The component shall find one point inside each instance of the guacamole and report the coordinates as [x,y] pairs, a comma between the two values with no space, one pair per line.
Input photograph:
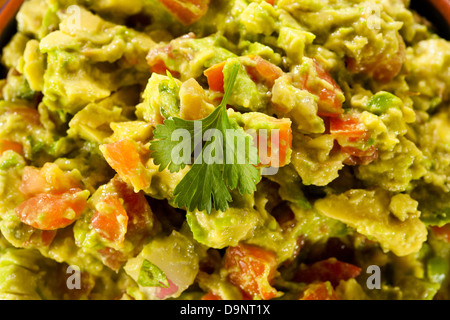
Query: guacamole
[345,102]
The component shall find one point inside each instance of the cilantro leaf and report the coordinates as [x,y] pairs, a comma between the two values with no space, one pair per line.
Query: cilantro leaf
[164,144]
[219,168]
[152,276]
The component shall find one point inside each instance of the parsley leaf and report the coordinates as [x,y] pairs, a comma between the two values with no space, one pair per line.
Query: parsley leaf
[152,276]
[220,167]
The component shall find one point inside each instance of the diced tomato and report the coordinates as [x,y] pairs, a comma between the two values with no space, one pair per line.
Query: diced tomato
[159,67]
[162,58]
[29,115]
[360,157]
[442,232]
[126,158]
[112,258]
[49,178]
[264,71]
[319,82]
[252,269]
[39,238]
[211,296]
[214,76]
[187,11]
[278,149]
[319,291]
[155,60]
[139,212]
[10,145]
[47,236]
[331,270]
[352,136]
[51,211]
[110,220]
[272,2]
[349,127]
[383,67]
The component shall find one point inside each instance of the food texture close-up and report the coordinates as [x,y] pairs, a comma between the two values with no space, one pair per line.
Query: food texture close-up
[224,150]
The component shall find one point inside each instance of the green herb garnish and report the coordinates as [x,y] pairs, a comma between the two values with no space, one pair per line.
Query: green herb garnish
[151,276]
[218,168]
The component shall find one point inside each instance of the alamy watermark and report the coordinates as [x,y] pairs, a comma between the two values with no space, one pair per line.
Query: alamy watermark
[73,281]
[374,280]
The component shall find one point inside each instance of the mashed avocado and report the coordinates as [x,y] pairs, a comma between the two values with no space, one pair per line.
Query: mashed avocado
[347,103]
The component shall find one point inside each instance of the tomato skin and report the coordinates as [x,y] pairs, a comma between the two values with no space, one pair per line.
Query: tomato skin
[319,291]
[51,211]
[251,269]
[180,8]
[331,270]
[10,145]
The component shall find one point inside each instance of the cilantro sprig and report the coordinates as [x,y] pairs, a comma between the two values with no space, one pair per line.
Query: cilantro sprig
[208,183]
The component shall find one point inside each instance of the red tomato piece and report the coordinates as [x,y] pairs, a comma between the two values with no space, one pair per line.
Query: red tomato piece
[442,232]
[126,158]
[352,136]
[211,296]
[112,258]
[214,76]
[39,238]
[139,212]
[319,291]
[110,220]
[29,115]
[264,71]
[252,269]
[279,148]
[49,211]
[187,11]
[155,60]
[330,95]
[50,178]
[331,270]
[382,67]
[360,157]
[10,145]
[349,127]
